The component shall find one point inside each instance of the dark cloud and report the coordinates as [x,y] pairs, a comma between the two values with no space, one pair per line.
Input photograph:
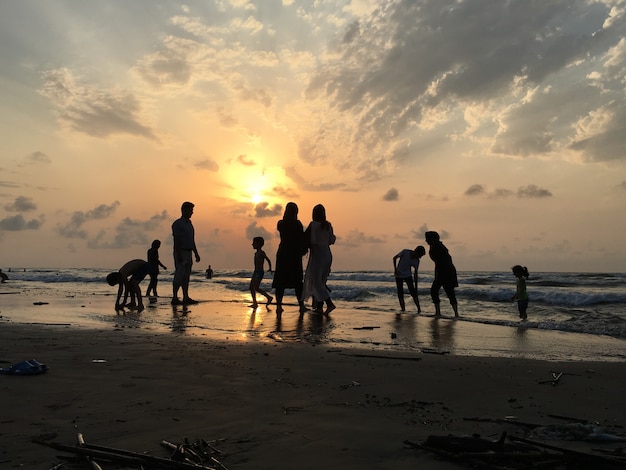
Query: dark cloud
[73,228]
[391,195]
[476,190]
[93,111]
[254,230]
[207,164]
[530,191]
[263,209]
[17,223]
[130,232]
[21,204]
[533,191]
[168,67]
[528,63]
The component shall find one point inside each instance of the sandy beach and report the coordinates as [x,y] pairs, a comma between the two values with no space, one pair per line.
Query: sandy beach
[282,404]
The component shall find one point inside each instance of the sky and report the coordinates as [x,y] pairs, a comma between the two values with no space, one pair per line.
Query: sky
[499,124]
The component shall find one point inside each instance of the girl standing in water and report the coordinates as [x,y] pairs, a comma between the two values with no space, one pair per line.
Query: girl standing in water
[521,296]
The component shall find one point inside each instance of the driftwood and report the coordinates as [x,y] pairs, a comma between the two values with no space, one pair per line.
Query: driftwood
[556,377]
[121,456]
[518,454]
[196,453]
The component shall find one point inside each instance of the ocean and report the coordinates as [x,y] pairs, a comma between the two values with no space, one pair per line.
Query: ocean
[585,311]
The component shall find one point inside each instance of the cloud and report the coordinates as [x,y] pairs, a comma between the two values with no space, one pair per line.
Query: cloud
[129,232]
[313,187]
[391,195]
[530,191]
[73,228]
[21,204]
[207,164]
[9,184]
[420,233]
[263,209]
[533,191]
[254,230]
[355,238]
[18,223]
[476,190]
[244,160]
[93,110]
[38,157]
[385,81]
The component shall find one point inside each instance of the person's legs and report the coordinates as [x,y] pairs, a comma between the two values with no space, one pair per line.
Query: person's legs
[400,289]
[434,295]
[413,291]
[522,305]
[452,296]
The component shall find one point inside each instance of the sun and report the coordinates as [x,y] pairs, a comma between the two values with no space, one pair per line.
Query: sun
[256,198]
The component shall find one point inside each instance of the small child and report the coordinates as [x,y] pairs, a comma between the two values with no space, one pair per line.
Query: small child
[154,262]
[259,260]
[521,296]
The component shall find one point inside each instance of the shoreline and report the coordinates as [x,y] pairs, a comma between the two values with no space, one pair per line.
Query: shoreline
[281,405]
[233,321]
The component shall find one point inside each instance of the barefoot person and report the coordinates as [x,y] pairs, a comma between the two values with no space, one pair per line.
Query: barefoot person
[154,262]
[184,247]
[445,273]
[288,270]
[257,276]
[128,277]
[403,263]
[320,259]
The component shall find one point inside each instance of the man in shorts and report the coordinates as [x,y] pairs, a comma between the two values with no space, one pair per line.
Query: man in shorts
[184,246]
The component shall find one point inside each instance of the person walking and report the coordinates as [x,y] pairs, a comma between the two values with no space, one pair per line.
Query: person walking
[321,236]
[288,271]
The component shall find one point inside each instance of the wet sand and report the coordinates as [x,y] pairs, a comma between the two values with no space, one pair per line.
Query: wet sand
[279,404]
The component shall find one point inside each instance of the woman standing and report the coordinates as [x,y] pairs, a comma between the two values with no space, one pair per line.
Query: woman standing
[445,272]
[321,236]
[288,272]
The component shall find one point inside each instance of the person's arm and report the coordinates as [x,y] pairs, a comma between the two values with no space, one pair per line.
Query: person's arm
[119,294]
[269,263]
[195,251]
[162,265]
[395,264]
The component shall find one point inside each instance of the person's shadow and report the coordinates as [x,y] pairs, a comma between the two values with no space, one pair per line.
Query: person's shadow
[442,334]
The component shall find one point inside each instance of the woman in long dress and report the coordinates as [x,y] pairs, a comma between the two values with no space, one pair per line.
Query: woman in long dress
[288,272]
[321,236]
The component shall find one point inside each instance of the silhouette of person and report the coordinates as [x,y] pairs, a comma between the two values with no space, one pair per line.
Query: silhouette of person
[521,296]
[321,236]
[128,277]
[209,272]
[445,273]
[257,276]
[288,270]
[184,246]
[405,267]
[154,262]
[3,276]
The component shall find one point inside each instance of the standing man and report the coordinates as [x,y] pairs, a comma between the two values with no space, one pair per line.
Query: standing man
[409,261]
[184,246]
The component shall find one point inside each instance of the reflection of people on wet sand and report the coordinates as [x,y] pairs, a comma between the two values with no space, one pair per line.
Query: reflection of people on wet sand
[320,259]
[257,276]
[184,246]
[445,273]
[403,263]
[521,296]
[288,270]
[209,272]
[154,262]
[128,277]
[3,276]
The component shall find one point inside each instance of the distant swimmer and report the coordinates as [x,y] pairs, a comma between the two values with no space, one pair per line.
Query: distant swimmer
[3,276]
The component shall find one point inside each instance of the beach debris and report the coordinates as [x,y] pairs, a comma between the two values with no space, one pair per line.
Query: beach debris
[354,383]
[29,367]
[519,453]
[199,452]
[556,377]
[577,432]
[93,454]
[377,356]
[41,303]
[434,351]
[365,327]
